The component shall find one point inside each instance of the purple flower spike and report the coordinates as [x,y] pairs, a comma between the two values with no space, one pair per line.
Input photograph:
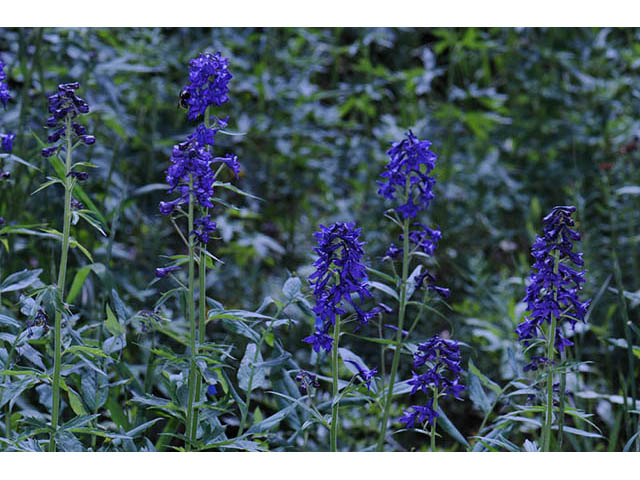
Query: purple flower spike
[209,75]
[441,358]
[410,161]
[339,274]
[63,105]
[551,293]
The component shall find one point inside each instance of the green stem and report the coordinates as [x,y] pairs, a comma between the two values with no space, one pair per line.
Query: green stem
[399,338]
[563,384]
[62,272]
[435,420]
[192,323]
[202,275]
[546,434]
[335,374]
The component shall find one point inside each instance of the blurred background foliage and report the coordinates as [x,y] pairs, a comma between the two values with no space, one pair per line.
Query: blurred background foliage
[522,120]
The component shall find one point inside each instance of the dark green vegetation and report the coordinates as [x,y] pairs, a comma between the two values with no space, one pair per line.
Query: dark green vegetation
[522,120]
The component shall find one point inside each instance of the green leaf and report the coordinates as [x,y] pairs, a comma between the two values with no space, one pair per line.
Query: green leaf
[53,181]
[411,282]
[384,288]
[272,421]
[78,280]
[486,381]
[292,288]
[477,394]
[91,221]
[89,350]
[75,402]
[245,370]
[19,280]
[450,428]
[112,323]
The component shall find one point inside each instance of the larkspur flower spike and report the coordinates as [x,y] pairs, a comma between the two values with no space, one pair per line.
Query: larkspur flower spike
[63,105]
[5,96]
[339,274]
[410,162]
[554,291]
[209,76]
[441,359]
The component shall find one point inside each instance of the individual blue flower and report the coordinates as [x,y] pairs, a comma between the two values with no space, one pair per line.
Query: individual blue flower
[418,413]
[209,76]
[63,105]
[306,379]
[554,292]
[425,238]
[410,162]
[339,275]
[164,271]
[7,141]
[5,96]
[203,226]
[319,340]
[365,375]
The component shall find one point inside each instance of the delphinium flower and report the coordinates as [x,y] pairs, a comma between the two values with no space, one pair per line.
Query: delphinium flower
[339,275]
[440,357]
[306,379]
[409,184]
[5,96]
[410,162]
[365,375]
[64,107]
[66,135]
[553,297]
[209,77]
[553,291]
[6,141]
[192,177]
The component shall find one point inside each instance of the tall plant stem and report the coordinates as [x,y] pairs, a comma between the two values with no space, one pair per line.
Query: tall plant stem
[546,434]
[202,276]
[62,273]
[435,420]
[335,370]
[398,342]
[192,323]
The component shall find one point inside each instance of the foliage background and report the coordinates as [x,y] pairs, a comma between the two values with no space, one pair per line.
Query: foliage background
[522,120]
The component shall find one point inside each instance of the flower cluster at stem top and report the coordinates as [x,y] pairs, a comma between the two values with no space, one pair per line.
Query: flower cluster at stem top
[65,105]
[555,282]
[339,274]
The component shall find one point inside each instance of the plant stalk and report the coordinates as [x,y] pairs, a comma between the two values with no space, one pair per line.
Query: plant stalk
[399,338]
[192,323]
[335,373]
[62,272]
[546,434]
